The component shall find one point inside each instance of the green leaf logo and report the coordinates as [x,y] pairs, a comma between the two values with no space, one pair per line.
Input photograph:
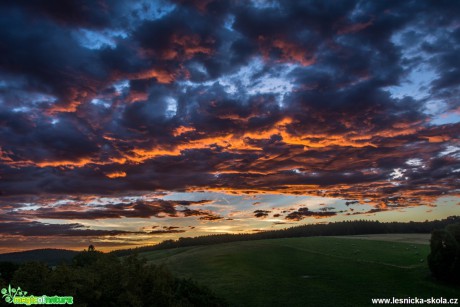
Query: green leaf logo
[10,293]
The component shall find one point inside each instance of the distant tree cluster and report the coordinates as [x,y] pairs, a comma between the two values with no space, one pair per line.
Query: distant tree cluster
[444,259]
[98,279]
[331,229]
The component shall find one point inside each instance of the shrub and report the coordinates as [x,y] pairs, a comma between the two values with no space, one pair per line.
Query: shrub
[444,259]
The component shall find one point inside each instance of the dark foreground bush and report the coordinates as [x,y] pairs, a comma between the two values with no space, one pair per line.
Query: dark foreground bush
[98,279]
[444,259]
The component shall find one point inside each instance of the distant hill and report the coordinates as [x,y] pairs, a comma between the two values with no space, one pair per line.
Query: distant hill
[49,256]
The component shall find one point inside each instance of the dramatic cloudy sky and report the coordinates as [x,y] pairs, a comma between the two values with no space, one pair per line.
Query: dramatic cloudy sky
[126,123]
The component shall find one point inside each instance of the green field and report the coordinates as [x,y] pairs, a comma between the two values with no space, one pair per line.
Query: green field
[313,271]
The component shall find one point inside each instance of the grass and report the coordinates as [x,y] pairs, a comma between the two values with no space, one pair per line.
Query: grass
[419,238]
[314,271]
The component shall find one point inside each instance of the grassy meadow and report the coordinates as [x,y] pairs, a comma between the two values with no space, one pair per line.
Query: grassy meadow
[313,271]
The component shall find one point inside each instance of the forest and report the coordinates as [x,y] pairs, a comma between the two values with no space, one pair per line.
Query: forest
[330,229]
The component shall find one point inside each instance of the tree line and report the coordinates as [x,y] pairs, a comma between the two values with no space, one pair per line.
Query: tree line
[358,227]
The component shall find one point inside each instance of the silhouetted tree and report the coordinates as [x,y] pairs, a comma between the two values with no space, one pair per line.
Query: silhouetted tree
[86,258]
[444,259]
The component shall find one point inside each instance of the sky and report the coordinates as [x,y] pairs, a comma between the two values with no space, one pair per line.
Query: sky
[126,123]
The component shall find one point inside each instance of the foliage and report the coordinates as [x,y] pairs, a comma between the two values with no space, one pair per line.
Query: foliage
[444,259]
[98,279]
[31,276]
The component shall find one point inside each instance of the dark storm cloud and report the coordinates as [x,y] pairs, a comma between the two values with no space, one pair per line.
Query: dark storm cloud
[177,36]
[261,213]
[34,228]
[203,214]
[67,139]
[368,212]
[70,13]
[304,212]
[48,59]
[351,202]
[140,209]
[164,230]
[109,98]
[156,232]
[211,218]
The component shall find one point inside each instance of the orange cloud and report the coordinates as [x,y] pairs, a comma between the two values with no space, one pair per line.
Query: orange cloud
[76,163]
[182,130]
[116,174]
[290,52]
[438,138]
[161,75]
[191,45]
